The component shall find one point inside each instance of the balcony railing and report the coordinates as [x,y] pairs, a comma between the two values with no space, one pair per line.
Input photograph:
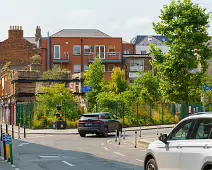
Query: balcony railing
[109,57]
[62,58]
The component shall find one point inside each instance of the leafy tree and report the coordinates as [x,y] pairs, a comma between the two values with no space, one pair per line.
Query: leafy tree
[49,97]
[147,87]
[184,23]
[118,82]
[94,77]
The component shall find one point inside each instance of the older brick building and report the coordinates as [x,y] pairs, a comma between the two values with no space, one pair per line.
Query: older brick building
[16,48]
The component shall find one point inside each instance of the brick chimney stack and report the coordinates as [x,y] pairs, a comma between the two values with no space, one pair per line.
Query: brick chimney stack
[38,34]
[16,32]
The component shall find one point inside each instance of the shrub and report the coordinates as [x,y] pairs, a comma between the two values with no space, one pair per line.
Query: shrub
[38,124]
[72,124]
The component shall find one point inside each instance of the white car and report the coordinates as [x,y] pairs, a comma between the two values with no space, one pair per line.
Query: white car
[187,147]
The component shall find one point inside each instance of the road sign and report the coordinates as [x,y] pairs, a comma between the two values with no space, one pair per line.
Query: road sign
[86,89]
[8,140]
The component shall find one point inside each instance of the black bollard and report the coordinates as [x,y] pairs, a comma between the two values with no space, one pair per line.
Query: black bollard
[12,131]
[6,129]
[24,131]
[4,146]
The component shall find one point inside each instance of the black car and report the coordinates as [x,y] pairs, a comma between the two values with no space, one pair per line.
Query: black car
[99,124]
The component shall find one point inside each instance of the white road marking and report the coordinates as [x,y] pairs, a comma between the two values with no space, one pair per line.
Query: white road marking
[102,144]
[13,166]
[67,163]
[50,135]
[117,153]
[49,156]
[139,160]
[106,148]
[23,144]
[17,169]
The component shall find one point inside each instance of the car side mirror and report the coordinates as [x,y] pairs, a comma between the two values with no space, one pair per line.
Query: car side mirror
[163,138]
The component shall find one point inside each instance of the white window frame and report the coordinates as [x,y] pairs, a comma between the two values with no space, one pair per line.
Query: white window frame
[74,51]
[89,53]
[136,67]
[77,65]
[126,51]
[99,50]
[55,50]
[112,53]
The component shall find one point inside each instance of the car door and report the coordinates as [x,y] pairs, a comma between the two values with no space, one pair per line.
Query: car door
[110,122]
[193,150]
[168,155]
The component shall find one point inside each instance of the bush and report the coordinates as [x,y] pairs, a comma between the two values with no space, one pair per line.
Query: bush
[72,124]
[38,124]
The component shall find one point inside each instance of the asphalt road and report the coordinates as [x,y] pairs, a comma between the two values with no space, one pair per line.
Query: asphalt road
[65,152]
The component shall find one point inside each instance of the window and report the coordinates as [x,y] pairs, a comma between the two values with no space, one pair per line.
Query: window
[57,52]
[57,66]
[77,50]
[143,52]
[87,50]
[107,116]
[77,68]
[181,132]
[86,67]
[112,50]
[111,67]
[126,51]
[202,129]
[100,51]
[136,65]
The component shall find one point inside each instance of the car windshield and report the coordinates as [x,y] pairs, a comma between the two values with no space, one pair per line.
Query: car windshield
[90,117]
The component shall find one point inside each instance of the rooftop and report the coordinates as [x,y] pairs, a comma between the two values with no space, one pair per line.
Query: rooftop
[81,33]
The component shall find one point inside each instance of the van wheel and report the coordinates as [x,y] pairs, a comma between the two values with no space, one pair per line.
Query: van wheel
[82,134]
[151,165]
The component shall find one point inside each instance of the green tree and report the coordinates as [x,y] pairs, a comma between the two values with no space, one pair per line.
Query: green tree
[94,77]
[147,87]
[118,82]
[49,97]
[185,24]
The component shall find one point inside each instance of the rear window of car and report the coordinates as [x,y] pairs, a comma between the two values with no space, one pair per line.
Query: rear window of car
[89,117]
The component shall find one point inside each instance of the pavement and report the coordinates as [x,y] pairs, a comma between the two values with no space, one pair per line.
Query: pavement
[5,166]
[75,131]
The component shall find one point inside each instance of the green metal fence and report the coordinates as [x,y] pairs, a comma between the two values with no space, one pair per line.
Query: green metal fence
[24,114]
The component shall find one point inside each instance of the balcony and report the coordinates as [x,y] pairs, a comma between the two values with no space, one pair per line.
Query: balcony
[62,58]
[109,57]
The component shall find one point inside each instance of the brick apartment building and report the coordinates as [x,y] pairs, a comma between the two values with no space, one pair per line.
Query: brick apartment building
[75,49]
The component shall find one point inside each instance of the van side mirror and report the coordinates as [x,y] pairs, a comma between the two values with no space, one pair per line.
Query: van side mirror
[163,138]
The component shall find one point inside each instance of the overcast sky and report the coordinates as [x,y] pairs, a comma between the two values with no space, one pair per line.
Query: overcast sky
[119,18]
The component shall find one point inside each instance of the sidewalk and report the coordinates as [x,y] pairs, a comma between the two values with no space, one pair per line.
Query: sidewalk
[75,131]
[5,166]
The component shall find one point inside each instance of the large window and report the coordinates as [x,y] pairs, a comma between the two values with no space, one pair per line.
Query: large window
[77,50]
[136,65]
[77,68]
[126,51]
[57,51]
[112,50]
[86,67]
[87,50]
[111,67]
[100,51]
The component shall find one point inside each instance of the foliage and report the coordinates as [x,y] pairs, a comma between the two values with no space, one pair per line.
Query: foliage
[184,23]
[55,74]
[118,83]
[6,66]
[147,87]
[49,97]
[36,59]
[94,77]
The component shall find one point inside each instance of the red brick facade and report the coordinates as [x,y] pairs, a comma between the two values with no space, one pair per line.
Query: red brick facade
[17,49]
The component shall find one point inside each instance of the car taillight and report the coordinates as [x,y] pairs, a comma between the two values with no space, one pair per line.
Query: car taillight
[99,122]
[81,122]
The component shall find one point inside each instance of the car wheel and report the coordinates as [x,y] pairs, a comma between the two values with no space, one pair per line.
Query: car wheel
[105,133]
[82,134]
[98,134]
[151,165]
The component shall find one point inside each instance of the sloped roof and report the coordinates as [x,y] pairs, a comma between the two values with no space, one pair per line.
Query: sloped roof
[30,39]
[139,38]
[80,33]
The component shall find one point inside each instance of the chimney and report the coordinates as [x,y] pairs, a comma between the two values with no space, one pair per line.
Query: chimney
[15,32]
[38,34]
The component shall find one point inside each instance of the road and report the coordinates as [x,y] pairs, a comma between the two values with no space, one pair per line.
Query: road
[65,152]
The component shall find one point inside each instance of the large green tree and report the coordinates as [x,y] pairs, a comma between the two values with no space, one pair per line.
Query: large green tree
[118,83]
[94,77]
[185,25]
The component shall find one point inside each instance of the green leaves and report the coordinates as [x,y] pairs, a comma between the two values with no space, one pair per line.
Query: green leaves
[184,23]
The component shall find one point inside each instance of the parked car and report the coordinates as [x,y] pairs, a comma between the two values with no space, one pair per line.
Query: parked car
[187,147]
[99,124]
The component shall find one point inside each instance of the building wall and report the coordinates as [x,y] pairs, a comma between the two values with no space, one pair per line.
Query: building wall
[129,47]
[146,48]
[67,46]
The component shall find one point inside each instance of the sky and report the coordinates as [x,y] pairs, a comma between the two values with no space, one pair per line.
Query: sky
[117,18]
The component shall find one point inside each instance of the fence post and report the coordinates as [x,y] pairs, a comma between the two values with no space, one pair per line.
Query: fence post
[162,113]
[150,113]
[137,113]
